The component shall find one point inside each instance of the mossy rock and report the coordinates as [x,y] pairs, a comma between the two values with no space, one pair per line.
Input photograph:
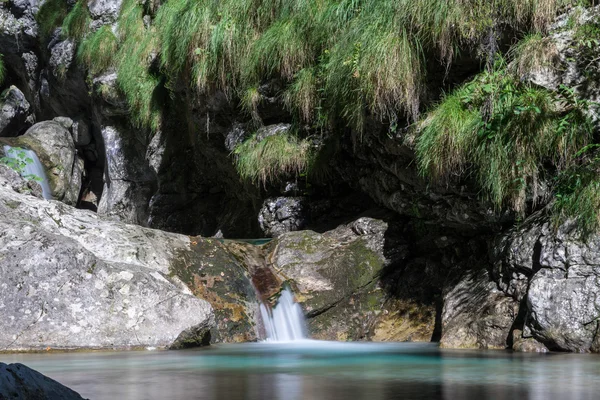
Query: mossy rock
[215,275]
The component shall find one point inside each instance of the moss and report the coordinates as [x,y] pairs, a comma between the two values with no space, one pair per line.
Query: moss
[214,275]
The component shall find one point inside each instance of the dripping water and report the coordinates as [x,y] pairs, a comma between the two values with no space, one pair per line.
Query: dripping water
[33,167]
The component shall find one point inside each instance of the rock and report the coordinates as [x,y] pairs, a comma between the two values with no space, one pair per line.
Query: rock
[64,121]
[235,137]
[282,214]
[129,182]
[15,114]
[271,130]
[54,146]
[10,178]
[20,382]
[335,276]
[526,344]
[73,280]
[106,11]
[557,274]
[81,132]
[476,314]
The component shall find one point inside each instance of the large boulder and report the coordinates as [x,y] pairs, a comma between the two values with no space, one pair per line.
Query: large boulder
[336,278]
[18,381]
[555,272]
[70,279]
[53,144]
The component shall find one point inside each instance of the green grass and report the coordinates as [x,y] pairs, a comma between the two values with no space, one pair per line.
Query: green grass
[504,133]
[97,50]
[50,16]
[370,55]
[134,76]
[76,23]
[272,158]
[534,53]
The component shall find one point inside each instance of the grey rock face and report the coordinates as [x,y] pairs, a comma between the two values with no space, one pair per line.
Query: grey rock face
[106,11]
[476,314]
[15,113]
[129,181]
[282,214]
[557,273]
[72,280]
[18,381]
[54,146]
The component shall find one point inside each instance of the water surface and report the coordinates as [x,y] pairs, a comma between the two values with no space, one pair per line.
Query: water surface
[321,370]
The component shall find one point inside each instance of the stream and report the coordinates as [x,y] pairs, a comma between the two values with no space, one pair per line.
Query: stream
[316,370]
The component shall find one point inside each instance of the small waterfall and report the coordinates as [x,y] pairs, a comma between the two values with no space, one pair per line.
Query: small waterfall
[285,322]
[33,168]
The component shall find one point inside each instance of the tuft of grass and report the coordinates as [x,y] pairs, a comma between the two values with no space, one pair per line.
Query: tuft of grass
[97,50]
[250,101]
[276,156]
[133,61]
[503,133]
[533,54]
[76,23]
[302,95]
[369,56]
[50,16]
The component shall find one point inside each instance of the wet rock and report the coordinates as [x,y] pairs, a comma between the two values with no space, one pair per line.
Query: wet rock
[335,276]
[283,214]
[129,183]
[10,178]
[15,114]
[18,381]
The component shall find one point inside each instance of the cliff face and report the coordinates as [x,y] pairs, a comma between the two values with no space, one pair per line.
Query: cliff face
[387,254]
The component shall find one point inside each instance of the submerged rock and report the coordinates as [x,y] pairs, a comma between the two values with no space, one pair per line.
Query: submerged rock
[18,381]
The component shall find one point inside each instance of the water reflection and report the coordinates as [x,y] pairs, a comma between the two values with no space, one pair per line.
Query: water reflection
[317,370]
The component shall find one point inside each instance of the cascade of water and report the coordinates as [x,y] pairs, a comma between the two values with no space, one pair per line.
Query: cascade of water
[285,322]
[30,169]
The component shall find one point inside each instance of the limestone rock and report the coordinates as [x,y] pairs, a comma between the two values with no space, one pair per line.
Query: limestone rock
[335,276]
[18,381]
[476,314]
[70,279]
[15,113]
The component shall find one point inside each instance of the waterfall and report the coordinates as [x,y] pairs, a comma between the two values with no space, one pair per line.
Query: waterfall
[285,322]
[30,166]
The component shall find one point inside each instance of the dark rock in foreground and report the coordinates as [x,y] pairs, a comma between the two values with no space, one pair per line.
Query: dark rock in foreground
[20,382]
